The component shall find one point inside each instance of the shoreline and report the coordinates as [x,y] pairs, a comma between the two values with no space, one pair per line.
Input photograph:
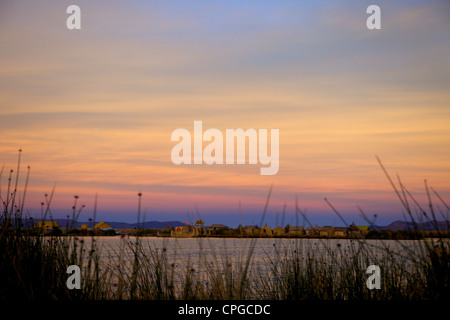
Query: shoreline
[413,236]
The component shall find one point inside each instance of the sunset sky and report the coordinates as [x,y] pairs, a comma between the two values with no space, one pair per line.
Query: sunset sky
[93,110]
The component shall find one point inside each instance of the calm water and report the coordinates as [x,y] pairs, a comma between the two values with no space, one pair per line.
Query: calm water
[199,253]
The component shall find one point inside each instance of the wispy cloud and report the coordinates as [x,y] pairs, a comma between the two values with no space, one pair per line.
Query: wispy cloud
[95,109]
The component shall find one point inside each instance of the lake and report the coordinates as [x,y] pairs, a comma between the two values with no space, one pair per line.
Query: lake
[265,252]
[279,267]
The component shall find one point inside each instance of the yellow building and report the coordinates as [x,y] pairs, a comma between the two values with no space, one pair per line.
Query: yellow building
[265,231]
[278,231]
[102,226]
[358,231]
[251,230]
[340,232]
[295,231]
[46,226]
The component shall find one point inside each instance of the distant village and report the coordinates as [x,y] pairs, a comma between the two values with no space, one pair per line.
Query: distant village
[199,229]
[54,228]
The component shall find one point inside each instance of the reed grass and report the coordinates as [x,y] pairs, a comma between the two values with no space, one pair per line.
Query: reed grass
[33,266]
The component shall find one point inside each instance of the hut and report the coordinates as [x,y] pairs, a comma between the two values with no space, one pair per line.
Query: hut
[46,226]
[102,226]
[216,228]
[295,231]
[278,232]
[340,232]
[265,231]
[312,231]
[325,231]
[251,230]
[358,231]
[364,230]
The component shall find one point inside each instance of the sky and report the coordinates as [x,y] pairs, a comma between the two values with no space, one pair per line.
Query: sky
[93,109]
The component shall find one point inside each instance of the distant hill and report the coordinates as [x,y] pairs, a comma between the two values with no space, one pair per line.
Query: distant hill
[425,226]
[398,225]
[123,225]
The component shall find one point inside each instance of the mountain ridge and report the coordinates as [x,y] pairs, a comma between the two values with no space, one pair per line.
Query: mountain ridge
[398,225]
[123,225]
[401,225]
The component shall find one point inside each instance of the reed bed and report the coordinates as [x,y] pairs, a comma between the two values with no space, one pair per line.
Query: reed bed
[34,266]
